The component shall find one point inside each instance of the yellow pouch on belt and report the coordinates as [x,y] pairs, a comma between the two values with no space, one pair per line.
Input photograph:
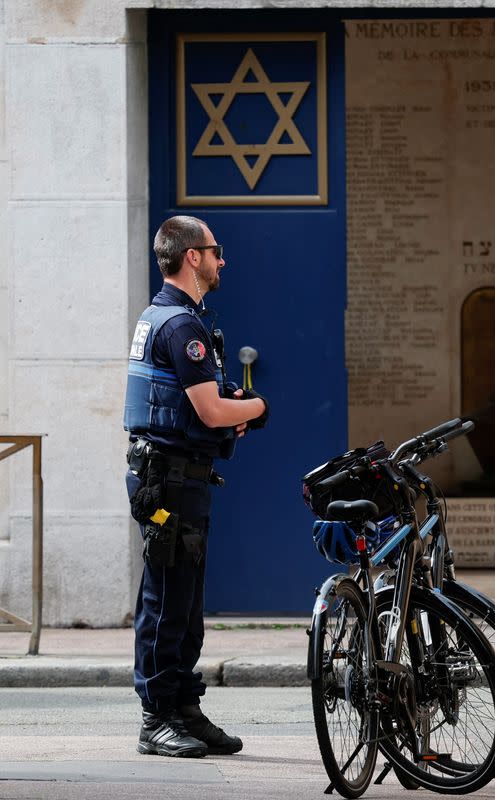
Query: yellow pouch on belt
[160,516]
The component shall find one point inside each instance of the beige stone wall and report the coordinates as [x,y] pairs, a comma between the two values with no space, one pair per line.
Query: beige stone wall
[77,198]
[3,227]
[4,289]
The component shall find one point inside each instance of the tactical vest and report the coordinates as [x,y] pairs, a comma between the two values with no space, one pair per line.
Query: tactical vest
[155,400]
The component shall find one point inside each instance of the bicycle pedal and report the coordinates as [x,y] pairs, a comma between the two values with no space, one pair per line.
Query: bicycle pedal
[438,757]
[329,789]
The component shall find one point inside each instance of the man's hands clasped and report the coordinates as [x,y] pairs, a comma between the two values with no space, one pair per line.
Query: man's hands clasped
[252,424]
[258,422]
[247,394]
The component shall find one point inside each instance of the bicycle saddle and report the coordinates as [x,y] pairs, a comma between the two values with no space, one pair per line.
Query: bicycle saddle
[350,511]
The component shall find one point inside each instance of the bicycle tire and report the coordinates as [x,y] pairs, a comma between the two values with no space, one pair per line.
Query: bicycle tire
[338,693]
[462,770]
[480,610]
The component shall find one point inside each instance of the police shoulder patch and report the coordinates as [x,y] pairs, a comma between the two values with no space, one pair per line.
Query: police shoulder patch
[195,350]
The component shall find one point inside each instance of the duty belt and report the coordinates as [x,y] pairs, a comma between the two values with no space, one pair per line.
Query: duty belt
[198,472]
[179,467]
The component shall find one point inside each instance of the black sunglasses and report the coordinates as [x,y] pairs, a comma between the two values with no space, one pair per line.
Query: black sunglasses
[218,248]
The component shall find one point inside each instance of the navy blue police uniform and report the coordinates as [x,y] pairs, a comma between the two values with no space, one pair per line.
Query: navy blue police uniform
[171,351]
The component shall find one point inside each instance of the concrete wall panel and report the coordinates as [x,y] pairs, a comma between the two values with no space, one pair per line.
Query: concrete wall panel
[3,153]
[4,176]
[46,19]
[4,507]
[138,269]
[253,5]
[136,91]
[66,106]
[86,574]
[79,407]
[69,280]
[4,387]
[4,297]
[137,177]
[4,306]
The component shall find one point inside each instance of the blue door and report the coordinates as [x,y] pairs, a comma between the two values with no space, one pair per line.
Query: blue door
[247,131]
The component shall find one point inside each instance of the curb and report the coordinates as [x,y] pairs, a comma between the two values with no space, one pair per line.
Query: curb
[57,672]
[46,672]
[265,671]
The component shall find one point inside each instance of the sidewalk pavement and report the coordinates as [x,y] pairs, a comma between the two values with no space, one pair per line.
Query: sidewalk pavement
[238,651]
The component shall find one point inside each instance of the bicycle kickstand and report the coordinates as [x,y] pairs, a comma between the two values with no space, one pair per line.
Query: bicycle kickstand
[387,767]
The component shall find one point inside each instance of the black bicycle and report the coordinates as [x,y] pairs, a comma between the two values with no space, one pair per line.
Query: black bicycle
[436,568]
[401,669]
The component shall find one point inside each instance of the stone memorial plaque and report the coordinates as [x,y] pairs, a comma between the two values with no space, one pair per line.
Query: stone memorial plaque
[421,177]
[471,530]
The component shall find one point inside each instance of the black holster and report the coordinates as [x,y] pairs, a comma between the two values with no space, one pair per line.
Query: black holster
[162,485]
[160,542]
[137,456]
[193,540]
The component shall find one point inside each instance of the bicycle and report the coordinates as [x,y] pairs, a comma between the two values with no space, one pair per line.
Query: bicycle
[436,569]
[359,642]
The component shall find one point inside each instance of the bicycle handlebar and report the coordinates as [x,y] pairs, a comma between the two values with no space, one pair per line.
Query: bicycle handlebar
[428,442]
[345,474]
[442,430]
[335,480]
[466,427]
[426,450]
[435,436]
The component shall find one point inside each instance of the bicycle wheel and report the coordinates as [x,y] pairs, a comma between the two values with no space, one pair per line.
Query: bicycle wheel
[481,610]
[447,698]
[346,727]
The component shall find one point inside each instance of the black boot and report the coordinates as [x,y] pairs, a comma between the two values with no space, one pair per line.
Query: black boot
[219,743]
[164,734]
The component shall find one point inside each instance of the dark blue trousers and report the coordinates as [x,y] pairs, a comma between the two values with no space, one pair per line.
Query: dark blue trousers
[168,623]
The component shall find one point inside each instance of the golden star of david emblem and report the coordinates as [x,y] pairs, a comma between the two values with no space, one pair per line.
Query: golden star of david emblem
[285,125]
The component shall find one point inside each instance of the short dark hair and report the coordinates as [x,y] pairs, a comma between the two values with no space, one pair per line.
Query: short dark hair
[173,237]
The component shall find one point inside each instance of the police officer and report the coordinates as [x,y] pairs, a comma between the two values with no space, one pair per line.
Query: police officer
[181,415]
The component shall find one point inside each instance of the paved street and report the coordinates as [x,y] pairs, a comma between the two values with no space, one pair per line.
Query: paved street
[70,744]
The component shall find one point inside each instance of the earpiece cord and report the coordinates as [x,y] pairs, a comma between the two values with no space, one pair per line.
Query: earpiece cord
[203,307]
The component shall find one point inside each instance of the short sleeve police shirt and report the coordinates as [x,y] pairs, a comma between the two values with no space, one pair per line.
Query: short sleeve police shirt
[183,343]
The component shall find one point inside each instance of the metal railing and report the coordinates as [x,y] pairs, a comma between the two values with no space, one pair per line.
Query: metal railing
[15,623]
